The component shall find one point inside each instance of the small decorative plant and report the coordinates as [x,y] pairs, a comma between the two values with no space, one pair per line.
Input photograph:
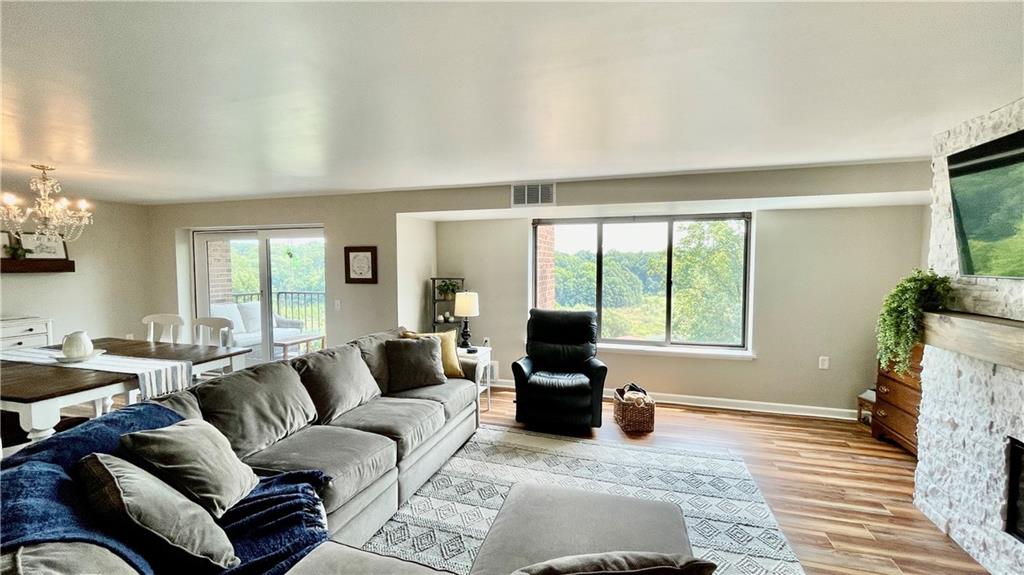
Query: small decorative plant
[16,251]
[900,322]
[447,288]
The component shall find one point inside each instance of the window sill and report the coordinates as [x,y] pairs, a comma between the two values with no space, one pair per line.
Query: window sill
[695,352]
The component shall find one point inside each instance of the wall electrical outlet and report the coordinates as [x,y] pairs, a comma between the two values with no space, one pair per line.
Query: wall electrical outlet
[337,305]
[824,362]
[129,336]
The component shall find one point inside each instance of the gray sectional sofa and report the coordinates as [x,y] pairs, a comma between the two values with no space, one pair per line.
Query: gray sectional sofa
[378,447]
[335,410]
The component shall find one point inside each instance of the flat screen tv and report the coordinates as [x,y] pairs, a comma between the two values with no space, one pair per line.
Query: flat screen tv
[988,207]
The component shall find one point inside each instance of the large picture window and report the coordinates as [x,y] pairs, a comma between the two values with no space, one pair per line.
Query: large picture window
[674,280]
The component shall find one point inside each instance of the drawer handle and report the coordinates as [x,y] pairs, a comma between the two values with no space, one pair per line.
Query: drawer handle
[31,329]
[19,343]
[883,389]
[881,413]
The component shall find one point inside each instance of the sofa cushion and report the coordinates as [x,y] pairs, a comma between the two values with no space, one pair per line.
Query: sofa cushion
[63,557]
[333,558]
[197,460]
[621,562]
[184,403]
[337,380]
[165,521]
[561,383]
[251,312]
[414,363]
[229,311]
[449,350]
[256,407]
[409,422]
[376,358]
[453,395]
[353,459]
[539,523]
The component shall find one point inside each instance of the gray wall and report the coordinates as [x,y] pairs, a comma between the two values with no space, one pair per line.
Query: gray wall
[135,260]
[493,256]
[415,258]
[819,279]
[107,293]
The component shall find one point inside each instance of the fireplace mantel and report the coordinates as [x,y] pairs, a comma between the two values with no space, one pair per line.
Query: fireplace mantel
[992,339]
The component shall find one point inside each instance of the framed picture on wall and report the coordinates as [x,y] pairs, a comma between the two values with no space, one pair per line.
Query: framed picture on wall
[361,264]
[43,247]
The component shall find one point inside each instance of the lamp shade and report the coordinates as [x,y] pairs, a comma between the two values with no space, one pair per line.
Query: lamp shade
[467,304]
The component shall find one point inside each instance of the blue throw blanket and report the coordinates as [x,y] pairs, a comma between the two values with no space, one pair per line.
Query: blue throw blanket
[271,529]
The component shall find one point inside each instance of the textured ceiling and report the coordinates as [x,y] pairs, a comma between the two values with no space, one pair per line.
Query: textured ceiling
[176,102]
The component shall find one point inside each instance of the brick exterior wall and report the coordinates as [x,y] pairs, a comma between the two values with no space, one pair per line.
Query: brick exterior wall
[545,267]
[218,257]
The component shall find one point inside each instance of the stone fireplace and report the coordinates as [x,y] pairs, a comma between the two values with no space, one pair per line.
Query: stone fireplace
[970,407]
[1015,514]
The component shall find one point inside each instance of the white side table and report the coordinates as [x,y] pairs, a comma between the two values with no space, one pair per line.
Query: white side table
[482,356]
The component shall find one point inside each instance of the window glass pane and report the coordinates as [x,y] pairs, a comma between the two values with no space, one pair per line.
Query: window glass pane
[633,286]
[566,266]
[707,281]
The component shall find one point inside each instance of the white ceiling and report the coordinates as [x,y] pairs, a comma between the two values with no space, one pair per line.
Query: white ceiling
[175,102]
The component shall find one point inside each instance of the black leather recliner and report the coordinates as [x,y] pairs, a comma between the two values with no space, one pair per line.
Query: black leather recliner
[560,382]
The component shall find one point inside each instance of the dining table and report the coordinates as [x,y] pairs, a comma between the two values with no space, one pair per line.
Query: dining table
[37,392]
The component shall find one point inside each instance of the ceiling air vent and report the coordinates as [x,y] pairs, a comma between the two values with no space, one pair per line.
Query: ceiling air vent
[533,194]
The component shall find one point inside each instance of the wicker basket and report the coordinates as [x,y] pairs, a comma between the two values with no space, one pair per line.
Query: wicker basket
[633,416]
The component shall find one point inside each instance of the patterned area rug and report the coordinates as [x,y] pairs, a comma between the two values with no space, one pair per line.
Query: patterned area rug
[445,522]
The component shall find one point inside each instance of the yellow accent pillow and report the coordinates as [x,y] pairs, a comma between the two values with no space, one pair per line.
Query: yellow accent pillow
[449,355]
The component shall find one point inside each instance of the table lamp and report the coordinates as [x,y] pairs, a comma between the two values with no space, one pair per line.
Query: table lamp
[467,305]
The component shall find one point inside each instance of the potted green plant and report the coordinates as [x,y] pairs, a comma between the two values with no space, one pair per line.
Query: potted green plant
[902,317]
[16,251]
[447,288]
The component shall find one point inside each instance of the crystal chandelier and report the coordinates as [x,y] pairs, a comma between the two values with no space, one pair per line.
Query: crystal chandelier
[52,214]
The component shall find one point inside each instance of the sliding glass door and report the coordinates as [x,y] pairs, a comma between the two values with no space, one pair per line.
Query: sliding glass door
[269,283]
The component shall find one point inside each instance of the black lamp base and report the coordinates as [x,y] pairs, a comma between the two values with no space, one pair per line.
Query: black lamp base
[465,337]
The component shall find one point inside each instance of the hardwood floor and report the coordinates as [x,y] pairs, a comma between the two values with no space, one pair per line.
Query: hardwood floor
[843,499]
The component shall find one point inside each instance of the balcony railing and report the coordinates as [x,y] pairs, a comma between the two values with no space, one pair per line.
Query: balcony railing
[308,306]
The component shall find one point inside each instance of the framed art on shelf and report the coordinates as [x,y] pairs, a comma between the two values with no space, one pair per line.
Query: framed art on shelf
[361,264]
[44,248]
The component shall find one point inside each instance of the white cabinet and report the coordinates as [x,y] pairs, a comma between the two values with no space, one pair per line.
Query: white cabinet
[25,332]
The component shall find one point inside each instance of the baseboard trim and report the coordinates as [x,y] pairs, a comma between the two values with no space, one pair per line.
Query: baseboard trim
[736,404]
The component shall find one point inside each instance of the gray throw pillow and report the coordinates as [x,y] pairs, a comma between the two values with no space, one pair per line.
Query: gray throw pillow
[375,356]
[63,557]
[414,363]
[141,504]
[197,460]
[337,380]
[256,407]
[620,563]
[184,403]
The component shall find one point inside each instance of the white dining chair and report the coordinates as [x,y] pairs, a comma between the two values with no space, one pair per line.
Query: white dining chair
[213,331]
[170,323]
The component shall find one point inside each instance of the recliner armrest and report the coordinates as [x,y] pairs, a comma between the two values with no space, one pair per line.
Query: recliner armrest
[596,370]
[522,368]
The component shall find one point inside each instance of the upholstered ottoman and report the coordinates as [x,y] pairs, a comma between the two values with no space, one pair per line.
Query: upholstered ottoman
[538,523]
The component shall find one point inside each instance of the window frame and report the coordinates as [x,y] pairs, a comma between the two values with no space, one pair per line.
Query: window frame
[670,221]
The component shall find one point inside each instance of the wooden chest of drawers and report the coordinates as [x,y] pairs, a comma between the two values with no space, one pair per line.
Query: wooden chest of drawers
[897,399]
[25,332]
